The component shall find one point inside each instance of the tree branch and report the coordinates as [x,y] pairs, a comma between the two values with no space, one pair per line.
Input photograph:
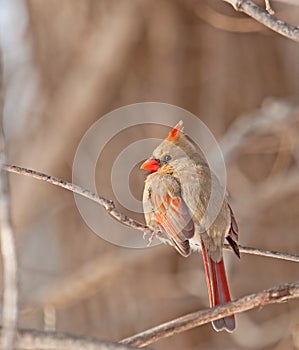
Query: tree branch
[109,206]
[274,295]
[33,339]
[264,17]
[8,250]
[266,253]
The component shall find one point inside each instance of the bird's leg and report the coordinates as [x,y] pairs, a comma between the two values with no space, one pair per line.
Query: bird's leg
[153,235]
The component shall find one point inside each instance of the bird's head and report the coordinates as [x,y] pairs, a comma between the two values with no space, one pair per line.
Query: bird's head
[176,146]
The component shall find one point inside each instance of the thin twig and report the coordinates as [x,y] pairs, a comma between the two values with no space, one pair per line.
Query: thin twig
[82,285]
[274,295]
[266,253]
[8,250]
[33,339]
[264,17]
[109,206]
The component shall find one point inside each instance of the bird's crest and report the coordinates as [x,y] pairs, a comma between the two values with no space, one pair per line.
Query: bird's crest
[175,131]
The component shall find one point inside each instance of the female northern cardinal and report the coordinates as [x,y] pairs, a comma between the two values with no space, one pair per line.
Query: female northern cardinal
[176,196]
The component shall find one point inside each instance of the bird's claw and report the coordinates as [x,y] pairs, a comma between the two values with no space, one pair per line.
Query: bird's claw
[153,235]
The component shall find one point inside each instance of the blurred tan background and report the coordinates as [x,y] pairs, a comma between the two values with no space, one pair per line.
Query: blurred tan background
[69,62]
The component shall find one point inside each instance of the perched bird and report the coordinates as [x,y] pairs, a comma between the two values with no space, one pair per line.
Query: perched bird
[175,198]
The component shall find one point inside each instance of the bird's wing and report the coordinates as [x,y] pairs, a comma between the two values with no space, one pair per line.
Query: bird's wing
[172,214]
[232,236]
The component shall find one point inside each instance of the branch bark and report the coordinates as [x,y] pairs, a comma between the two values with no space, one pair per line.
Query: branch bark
[109,206]
[264,252]
[274,295]
[264,17]
[33,339]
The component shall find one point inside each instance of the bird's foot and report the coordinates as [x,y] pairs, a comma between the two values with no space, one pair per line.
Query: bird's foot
[153,234]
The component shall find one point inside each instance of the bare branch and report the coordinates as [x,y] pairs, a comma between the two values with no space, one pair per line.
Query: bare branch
[32,339]
[107,204]
[270,296]
[82,285]
[110,207]
[8,250]
[266,253]
[262,16]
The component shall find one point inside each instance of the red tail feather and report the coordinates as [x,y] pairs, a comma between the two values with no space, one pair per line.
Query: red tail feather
[218,289]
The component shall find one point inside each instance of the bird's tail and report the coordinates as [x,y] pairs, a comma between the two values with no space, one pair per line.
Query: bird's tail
[218,289]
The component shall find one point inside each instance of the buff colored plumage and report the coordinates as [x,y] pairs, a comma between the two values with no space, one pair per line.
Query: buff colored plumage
[176,196]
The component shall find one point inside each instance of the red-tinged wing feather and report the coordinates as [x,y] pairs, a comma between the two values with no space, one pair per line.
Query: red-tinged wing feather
[174,219]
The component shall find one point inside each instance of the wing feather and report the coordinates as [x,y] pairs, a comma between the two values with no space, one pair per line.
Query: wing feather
[172,215]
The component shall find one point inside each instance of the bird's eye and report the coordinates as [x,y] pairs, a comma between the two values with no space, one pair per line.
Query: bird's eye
[167,158]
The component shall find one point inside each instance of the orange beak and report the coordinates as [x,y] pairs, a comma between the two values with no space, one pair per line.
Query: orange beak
[150,165]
